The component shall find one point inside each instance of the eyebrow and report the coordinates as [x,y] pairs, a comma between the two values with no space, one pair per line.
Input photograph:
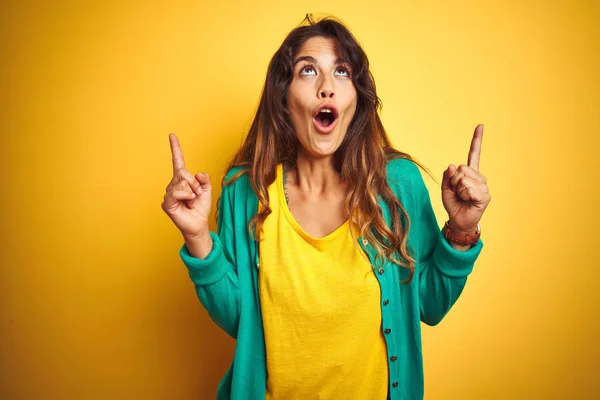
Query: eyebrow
[314,60]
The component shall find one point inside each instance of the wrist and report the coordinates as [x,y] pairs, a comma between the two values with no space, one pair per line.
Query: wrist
[199,246]
[461,238]
[461,230]
[196,236]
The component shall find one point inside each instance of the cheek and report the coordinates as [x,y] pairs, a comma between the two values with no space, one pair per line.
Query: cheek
[296,117]
[293,111]
[351,110]
[293,101]
[349,93]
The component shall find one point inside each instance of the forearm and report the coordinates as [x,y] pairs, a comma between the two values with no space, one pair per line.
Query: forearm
[443,276]
[438,293]
[216,281]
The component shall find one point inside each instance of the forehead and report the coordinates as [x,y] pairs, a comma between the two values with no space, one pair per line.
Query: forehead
[319,47]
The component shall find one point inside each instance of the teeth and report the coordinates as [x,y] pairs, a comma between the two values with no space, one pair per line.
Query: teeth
[326,110]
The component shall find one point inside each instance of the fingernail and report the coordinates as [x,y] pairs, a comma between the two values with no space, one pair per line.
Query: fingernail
[199,190]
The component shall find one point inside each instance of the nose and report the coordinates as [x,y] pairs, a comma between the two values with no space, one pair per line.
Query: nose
[326,88]
[326,93]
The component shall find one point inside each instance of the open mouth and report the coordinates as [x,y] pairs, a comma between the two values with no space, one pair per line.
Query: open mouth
[325,117]
[325,120]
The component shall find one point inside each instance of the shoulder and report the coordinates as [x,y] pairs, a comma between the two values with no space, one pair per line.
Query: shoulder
[237,201]
[401,165]
[236,178]
[236,184]
[404,174]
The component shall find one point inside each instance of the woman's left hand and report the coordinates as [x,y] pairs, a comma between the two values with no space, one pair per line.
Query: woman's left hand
[464,190]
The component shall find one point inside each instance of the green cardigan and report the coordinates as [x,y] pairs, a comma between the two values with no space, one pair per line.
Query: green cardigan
[226,282]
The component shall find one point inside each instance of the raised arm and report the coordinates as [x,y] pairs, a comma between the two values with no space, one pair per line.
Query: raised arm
[444,265]
[206,255]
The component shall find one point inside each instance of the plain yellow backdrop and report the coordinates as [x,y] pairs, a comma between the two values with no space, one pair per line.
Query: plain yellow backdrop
[95,302]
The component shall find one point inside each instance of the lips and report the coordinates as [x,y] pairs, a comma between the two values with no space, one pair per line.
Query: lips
[325,118]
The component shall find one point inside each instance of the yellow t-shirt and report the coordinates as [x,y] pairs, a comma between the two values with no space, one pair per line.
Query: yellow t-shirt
[320,303]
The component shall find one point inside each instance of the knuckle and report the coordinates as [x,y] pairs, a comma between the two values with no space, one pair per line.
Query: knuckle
[182,173]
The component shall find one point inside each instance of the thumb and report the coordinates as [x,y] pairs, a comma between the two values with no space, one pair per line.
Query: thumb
[205,188]
[448,174]
[204,180]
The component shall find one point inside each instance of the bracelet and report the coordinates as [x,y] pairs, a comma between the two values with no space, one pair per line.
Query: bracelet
[462,239]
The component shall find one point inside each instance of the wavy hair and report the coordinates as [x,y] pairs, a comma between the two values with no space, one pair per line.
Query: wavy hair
[361,158]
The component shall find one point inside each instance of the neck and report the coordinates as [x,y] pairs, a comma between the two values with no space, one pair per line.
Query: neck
[314,175]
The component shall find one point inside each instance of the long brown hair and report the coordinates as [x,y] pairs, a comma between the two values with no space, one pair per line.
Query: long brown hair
[361,158]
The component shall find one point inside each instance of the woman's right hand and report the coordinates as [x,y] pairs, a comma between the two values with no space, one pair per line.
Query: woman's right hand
[188,198]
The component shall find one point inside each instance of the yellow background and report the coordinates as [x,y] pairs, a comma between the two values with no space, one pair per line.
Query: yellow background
[95,302]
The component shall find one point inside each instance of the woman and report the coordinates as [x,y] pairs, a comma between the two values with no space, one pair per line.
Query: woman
[328,254]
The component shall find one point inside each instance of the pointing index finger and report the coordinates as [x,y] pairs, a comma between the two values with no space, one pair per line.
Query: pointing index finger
[176,153]
[475,152]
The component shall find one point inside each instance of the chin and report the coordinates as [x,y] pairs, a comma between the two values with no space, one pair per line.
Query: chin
[324,146]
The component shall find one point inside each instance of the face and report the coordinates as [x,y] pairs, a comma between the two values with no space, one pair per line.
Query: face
[321,98]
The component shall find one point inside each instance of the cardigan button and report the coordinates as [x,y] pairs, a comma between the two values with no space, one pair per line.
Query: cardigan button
[395,384]
[365,242]
[386,302]
[381,271]
[393,358]
[387,330]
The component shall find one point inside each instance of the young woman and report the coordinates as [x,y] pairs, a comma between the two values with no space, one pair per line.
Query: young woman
[328,254]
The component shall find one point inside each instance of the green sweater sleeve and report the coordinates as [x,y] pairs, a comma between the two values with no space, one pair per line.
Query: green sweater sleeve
[215,277]
[442,270]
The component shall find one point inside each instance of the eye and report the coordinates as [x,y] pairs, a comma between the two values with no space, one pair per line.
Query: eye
[308,70]
[342,71]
